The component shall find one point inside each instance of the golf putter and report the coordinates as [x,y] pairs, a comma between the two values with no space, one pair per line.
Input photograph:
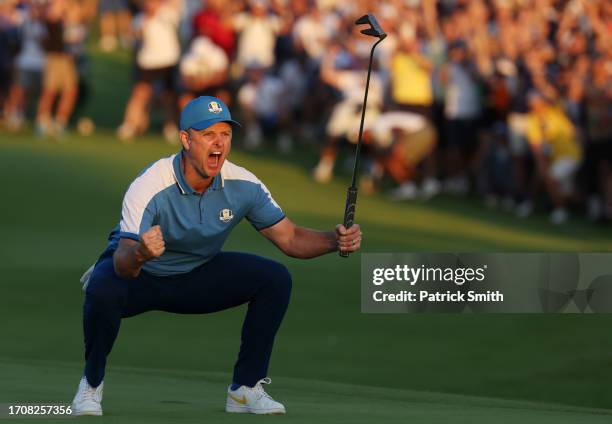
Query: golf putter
[374,30]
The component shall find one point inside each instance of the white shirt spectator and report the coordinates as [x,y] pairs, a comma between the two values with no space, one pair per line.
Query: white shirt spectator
[204,59]
[314,33]
[257,38]
[160,42]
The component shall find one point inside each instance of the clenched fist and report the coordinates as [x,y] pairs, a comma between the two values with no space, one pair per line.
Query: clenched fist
[151,244]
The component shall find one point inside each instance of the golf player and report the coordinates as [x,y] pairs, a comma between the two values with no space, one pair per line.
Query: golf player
[165,255]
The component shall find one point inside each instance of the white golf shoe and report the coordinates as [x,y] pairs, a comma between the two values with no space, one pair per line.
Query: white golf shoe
[88,400]
[253,400]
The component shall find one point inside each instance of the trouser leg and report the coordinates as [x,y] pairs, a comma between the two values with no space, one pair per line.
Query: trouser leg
[108,299]
[232,279]
[264,316]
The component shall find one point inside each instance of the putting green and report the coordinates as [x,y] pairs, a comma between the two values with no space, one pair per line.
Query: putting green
[141,395]
[60,200]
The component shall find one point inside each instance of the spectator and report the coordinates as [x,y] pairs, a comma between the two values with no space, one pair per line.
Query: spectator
[411,88]
[344,121]
[264,101]
[258,30]
[598,163]
[462,111]
[29,65]
[214,22]
[9,42]
[556,150]
[60,79]
[412,91]
[157,57]
[313,31]
[407,140]
[204,69]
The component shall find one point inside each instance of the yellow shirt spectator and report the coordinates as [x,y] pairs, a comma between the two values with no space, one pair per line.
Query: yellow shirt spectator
[551,126]
[410,81]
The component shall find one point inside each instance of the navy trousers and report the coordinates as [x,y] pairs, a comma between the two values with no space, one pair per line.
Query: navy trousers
[229,279]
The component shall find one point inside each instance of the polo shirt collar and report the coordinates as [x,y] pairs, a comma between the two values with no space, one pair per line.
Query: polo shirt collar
[217,183]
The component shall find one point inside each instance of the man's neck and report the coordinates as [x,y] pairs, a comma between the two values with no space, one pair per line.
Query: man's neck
[197,182]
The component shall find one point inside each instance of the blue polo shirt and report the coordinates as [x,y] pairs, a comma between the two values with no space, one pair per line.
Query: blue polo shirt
[194,225]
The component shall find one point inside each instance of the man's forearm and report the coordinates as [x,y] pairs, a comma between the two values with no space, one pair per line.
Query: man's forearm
[128,261]
[307,243]
[304,243]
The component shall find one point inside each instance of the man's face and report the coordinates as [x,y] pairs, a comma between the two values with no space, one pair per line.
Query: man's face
[207,149]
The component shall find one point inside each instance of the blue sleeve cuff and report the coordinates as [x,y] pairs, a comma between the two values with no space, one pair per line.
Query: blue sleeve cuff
[131,236]
[264,226]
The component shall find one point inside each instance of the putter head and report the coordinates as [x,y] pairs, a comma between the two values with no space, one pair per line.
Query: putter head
[375,30]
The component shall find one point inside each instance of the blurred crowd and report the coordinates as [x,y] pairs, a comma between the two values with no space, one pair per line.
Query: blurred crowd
[508,99]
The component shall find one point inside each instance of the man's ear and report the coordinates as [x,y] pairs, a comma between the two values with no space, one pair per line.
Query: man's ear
[185,139]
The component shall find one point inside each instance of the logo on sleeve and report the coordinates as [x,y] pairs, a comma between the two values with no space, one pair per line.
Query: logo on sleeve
[214,107]
[226,215]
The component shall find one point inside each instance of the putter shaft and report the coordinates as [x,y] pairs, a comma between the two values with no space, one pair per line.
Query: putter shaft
[351,194]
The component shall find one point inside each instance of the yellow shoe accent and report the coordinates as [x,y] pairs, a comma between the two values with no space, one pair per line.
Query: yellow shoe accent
[242,401]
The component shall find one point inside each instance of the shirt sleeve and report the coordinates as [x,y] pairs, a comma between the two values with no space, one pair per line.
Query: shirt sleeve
[264,212]
[137,213]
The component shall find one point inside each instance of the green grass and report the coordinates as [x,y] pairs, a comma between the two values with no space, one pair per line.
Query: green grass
[140,395]
[60,201]
[330,363]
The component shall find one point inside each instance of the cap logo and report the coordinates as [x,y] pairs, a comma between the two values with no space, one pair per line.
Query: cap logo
[213,107]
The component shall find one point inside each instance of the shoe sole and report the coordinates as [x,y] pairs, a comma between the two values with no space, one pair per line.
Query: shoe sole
[239,409]
[90,413]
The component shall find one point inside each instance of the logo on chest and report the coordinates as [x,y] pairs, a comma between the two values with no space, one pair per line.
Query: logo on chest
[226,215]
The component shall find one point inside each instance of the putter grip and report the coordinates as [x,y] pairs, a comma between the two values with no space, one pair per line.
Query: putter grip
[349,212]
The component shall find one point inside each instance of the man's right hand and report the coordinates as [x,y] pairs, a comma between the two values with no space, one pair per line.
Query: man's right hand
[151,244]
[131,255]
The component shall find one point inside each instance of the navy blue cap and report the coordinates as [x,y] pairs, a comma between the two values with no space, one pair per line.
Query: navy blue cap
[203,112]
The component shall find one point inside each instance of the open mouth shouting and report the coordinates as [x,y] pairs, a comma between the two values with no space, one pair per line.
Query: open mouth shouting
[214,160]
